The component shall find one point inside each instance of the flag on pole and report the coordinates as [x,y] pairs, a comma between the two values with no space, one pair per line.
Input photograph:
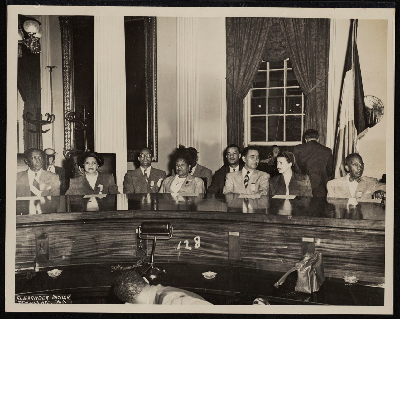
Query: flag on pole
[352,117]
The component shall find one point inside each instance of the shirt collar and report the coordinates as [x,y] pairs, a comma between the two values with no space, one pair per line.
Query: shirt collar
[31,174]
[245,171]
[148,169]
[232,168]
[354,180]
[92,178]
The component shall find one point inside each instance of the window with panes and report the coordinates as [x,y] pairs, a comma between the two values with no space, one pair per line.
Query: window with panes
[274,107]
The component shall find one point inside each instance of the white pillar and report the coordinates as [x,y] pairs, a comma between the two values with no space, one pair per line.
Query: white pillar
[110,91]
[222,68]
[45,61]
[187,81]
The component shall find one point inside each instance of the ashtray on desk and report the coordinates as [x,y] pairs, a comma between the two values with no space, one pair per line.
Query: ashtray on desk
[209,275]
[54,273]
[350,279]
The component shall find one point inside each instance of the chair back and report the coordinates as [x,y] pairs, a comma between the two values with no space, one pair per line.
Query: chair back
[205,183]
[21,166]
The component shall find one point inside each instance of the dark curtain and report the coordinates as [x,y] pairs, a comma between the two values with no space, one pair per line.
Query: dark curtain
[246,39]
[28,83]
[308,49]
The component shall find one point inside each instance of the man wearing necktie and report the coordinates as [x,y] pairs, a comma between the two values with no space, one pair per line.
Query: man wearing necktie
[249,180]
[144,179]
[232,164]
[354,185]
[35,181]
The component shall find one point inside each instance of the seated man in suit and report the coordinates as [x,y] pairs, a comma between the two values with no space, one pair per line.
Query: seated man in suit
[130,287]
[354,185]
[249,180]
[145,179]
[35,181]
[232,155]
[198,170]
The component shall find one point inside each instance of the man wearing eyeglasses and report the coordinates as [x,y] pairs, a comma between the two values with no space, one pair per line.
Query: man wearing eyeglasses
[354,185]
[144,179]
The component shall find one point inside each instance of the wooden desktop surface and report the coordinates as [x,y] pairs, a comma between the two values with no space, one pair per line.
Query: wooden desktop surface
[265,235]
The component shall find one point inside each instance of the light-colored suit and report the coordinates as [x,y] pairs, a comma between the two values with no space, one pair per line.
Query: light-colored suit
[339,188]
[203,172]
[259,180]
[49,181]
[135,181]
[192,185]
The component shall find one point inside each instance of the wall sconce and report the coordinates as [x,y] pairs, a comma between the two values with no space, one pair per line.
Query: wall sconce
[29,34]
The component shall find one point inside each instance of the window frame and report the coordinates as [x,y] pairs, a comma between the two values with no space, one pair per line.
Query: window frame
[247,110]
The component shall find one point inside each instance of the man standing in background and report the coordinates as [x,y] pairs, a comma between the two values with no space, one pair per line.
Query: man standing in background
[198,170]
[316,161]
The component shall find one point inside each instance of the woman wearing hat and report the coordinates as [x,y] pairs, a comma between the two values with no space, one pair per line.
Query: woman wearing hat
[289,182]
[92,181]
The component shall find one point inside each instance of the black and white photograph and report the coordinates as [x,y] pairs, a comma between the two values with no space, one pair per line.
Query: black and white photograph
[212,160]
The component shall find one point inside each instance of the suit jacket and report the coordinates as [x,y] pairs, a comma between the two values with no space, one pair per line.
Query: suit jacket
[135,182]
[50,182]
[316,161]
[190,186]
[299,185]
[339,188]
[235,183]
[81,186]
[218,180]
[61,174]
[203,172]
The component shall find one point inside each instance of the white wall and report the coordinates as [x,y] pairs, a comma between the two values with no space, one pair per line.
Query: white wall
[210,129]
[372,49]
[211,133]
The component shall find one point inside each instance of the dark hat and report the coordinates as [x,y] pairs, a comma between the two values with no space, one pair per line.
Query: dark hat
[81,159]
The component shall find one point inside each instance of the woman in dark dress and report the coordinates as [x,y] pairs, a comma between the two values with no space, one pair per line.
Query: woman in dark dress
[92,181]
[289,182]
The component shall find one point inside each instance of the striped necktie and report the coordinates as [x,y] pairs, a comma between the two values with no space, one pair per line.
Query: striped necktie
[35,182]
[145,175]
[246,180]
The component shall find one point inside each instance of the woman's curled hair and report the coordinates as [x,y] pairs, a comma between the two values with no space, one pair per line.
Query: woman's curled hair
[185,154]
